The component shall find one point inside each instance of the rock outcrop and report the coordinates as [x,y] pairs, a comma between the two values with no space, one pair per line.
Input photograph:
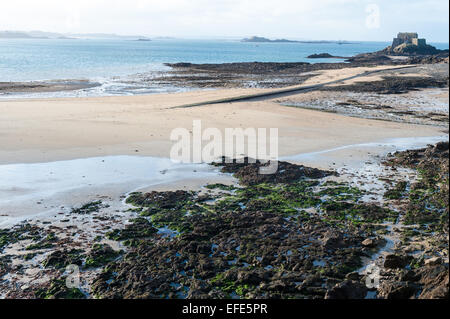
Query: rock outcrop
[411,49]
[266,40]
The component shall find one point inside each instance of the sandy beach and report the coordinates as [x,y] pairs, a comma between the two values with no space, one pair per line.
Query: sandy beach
[60,129]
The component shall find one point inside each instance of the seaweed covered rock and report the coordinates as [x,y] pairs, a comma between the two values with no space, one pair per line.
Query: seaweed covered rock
[358,212]
[247,253]
[160,200]
[100,255]
[391,85]
[18,233]
[57,289]
[250,171]
[428,199]
[88,208]
[139,228]
[62,258]
[421,158]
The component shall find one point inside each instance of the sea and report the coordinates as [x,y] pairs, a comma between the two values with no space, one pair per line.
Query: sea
[120,66]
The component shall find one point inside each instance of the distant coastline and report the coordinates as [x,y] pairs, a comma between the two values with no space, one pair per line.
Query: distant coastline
[256,39]
[67,36]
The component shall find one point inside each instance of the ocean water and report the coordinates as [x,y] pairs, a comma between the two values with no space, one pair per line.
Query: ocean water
[113,62]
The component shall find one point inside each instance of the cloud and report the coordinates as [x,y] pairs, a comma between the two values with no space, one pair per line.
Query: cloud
[319,19]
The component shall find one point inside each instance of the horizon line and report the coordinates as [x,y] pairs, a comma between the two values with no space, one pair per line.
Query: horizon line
[212,37]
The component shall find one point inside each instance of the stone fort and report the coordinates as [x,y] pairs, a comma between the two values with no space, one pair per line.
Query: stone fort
[410,38]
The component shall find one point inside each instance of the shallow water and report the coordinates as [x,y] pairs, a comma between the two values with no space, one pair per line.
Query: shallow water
[28,190]
[346,156]
[44,187]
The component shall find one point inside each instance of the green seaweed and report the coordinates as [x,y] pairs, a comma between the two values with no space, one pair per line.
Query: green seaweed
[58,290]
[221,187]
[88,208]
[397,192]
[100,255]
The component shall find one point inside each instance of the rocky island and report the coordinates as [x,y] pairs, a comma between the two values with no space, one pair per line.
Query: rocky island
[256,39]
[266,40]
[325,56]
[408,45]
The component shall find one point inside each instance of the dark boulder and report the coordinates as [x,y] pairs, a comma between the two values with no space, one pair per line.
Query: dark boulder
[393,261]
[435,280]
[332,239]
[348,289]
[397,290]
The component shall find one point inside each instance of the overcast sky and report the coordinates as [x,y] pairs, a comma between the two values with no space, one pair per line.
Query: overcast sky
[296,19]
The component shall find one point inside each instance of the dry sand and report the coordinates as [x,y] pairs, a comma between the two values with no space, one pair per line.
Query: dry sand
[61,129]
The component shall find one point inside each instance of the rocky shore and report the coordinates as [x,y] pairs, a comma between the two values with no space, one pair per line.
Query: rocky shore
[275,75]
[45,86]
[247,75]
[416,95]
[300,233]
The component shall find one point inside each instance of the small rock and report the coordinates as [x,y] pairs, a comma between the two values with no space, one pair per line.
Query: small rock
[353,276]
[277,285]
[408,276]
[251,277]
[433,261]
[332,239]
[368,243]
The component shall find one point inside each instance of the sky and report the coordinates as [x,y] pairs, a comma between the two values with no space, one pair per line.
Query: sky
[369,20]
